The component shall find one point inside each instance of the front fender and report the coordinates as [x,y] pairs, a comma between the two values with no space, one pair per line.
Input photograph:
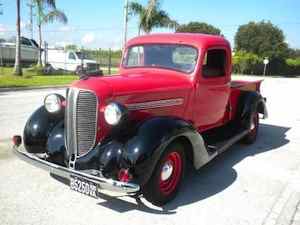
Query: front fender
[143,150]
[38,129]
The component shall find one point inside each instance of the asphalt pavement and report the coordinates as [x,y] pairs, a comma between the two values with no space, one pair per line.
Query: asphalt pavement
[17,106]
[253,185]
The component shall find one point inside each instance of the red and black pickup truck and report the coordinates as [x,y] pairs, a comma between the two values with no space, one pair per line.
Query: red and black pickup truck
[172,104]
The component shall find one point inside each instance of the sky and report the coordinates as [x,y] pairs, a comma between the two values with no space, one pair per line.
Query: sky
[99,23]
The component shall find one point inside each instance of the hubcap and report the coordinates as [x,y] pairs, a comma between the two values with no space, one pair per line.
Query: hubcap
[170,173]
[166,171]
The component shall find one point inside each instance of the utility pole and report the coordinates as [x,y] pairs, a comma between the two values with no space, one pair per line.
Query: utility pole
[109,61]
[30,5]
[125,23]
[18,66]
[1,13]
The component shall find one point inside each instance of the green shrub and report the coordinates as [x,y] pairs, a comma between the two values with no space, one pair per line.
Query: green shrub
[35,70]
[249,63]
[246,63]
[27,75]
[293,62]
[292,67]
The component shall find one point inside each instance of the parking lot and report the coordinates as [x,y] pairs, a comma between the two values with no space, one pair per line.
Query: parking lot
[257,184]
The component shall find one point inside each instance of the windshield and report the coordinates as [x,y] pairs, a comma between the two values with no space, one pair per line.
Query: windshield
[81,55]
[171,56]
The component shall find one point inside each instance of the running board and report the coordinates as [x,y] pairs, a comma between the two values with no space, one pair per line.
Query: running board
[221,147]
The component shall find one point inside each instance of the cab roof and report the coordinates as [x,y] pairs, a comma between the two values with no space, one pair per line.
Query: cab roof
[196,40]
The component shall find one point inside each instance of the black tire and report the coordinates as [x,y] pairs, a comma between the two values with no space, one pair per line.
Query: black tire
[48,69]
[156,190]
[250,138]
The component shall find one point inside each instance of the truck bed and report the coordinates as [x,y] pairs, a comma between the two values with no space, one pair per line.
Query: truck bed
[246,85]
[237,86]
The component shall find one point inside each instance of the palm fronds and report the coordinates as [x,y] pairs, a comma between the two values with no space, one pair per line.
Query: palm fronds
[151,16]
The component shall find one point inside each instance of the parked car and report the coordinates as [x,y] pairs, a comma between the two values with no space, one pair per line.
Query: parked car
[172,104]
[73,61]
[29,51]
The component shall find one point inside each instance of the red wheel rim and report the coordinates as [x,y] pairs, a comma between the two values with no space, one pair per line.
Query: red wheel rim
[169,184]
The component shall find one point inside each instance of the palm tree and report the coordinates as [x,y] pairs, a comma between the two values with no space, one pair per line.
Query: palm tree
[151,16]
[18,68]
[47,13]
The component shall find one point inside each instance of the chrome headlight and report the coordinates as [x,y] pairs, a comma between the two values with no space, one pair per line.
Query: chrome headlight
[53,103]
[114,113]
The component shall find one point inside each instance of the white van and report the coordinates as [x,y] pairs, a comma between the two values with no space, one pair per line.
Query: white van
[72,61]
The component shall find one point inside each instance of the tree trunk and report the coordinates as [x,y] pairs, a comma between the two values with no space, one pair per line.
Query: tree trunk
[18,68]
[40,45]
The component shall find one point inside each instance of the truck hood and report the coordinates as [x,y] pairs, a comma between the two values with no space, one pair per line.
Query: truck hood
[132,87]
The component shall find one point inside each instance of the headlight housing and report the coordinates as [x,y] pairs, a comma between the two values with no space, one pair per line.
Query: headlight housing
[53,103]
[114,113]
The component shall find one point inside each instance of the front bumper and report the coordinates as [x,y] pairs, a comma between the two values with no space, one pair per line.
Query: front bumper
[102,183]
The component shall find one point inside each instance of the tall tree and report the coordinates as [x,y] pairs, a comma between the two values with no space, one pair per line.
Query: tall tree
[18,68]
[262,38]
[47,12]
[196,27]
[151,16]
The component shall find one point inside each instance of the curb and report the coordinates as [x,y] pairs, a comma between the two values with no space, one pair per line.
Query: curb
[30,88]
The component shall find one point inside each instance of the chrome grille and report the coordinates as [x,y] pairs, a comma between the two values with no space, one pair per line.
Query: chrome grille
[70,121]
[86,121]
[92,66]
[81,121]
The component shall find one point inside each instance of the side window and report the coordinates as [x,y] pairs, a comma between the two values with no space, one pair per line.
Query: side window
[185,58]
[214,63]
[34,43]
[72,56]
[25,41]
[135,56]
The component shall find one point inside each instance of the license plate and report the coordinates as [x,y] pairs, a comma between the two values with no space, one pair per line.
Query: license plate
[83,186]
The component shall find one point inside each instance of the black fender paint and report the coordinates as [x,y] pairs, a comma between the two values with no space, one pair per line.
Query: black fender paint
[139,151]
[143,151]
[250,101]
[38,128]
[105,157]
[55,146]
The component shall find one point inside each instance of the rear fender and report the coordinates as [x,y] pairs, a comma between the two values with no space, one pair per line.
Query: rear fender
[251,101]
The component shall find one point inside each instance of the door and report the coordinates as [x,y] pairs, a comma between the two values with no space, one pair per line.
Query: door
[213,89]
[72,63]
[28,51]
